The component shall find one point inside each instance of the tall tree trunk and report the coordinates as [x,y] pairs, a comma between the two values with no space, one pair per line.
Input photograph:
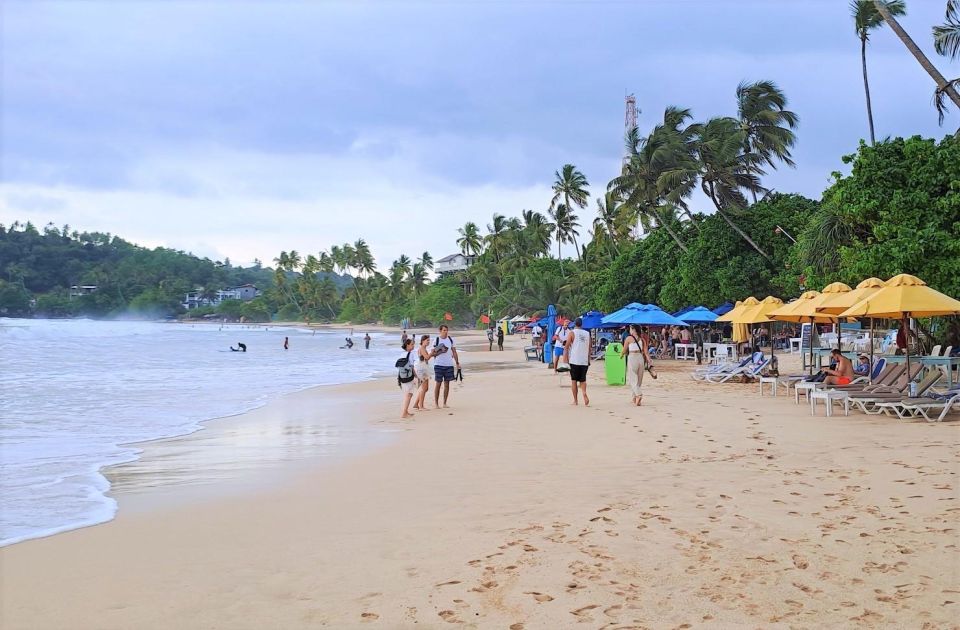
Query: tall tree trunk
[866,87]
[917,53]
[735,227]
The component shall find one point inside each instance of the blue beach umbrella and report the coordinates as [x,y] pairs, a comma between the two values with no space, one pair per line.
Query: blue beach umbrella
[643,314]
[724,308]
[699,315]
[592,319]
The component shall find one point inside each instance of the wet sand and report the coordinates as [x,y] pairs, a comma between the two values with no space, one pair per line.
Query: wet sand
[513,509]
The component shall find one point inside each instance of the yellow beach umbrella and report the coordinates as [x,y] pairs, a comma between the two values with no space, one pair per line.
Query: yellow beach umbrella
[839,302]
[802,310]
[903,297]
[737,310]
[758,313]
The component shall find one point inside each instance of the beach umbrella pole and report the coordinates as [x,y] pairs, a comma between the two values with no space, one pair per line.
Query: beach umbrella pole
[871,351]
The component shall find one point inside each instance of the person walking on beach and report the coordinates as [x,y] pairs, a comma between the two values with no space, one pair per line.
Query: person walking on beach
[423,372]
[500,338]
[577,355]
[366,341]
[490,339]
[445,359]
[286,343]
[406,377]
[638,358]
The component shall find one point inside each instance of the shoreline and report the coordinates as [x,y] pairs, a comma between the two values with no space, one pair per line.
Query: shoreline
[514,509]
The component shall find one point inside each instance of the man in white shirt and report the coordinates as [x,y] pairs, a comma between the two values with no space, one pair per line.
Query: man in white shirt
[446,358]
[577,353]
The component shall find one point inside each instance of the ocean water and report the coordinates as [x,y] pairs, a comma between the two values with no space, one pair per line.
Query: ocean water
[75,395]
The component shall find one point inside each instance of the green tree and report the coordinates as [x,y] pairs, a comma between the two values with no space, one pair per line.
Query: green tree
[766,124]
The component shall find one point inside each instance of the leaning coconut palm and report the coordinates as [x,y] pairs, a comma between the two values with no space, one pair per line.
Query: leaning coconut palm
[725,170]
[766,124]
[570,186]
[614,220]
[866,18]
[944,88]
[660,169]
[470,240]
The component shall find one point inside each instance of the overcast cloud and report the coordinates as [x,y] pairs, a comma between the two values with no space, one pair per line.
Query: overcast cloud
[234,129]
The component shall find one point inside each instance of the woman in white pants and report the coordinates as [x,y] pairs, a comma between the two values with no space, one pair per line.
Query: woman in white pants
[635,350]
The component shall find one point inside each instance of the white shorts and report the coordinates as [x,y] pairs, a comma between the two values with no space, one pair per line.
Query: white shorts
[408,388]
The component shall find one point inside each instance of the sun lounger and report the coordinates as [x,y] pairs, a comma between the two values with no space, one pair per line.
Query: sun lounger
[925,408]
[915,407]
[700,374]
[751,370]
[868,401]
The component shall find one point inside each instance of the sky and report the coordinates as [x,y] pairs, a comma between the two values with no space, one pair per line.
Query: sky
[240,129]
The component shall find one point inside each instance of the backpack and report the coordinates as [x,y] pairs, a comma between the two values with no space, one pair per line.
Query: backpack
[405,372]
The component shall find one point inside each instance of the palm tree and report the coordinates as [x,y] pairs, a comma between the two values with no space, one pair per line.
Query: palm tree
[470,240]
[566,225]
[426,260]
[339,258]
[725,170]
[766,124]
[944,87]
[325,262]
[609,220]
[865,19]
[495,233]
[946,37]
[539,231]
[404,264]
[365,262]
[418,279]
[570,185]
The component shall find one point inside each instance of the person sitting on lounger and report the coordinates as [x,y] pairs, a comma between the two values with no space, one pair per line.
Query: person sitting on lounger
[862,368]
[843,373]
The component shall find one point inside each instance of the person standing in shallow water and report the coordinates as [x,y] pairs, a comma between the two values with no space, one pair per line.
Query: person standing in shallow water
[286,343]
[366,341]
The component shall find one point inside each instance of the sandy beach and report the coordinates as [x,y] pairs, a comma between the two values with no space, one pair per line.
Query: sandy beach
[708,506]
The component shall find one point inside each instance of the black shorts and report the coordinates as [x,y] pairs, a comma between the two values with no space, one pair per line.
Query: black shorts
[578,373]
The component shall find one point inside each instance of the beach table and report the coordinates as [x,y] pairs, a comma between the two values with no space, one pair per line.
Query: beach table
[828,396]
[685,352]
[795,344]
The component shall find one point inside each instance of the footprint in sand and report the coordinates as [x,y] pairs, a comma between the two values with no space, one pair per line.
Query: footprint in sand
[516,626]
[449,616]
[485,586]
[800,562]
[450,583]
[583,614]
[369,616]
[540,597]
